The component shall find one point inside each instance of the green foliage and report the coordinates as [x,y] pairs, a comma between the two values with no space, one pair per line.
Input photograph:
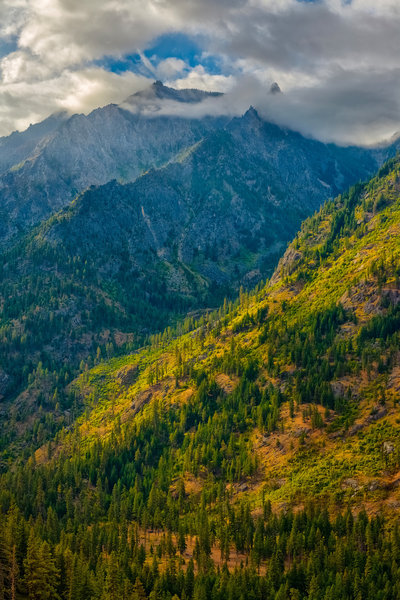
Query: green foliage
[189,425]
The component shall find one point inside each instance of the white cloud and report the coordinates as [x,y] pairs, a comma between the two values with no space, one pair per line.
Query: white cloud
[199,79]
[336,61]
[171,68]
[24,103]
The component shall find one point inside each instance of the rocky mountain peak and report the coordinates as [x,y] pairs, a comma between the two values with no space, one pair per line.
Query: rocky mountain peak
[157,91]
[252,117]
[275,89]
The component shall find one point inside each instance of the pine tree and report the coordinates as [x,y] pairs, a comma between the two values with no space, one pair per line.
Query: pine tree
[41,574]
[14,573]
[181,539]
[138,591]
[4,567]
[113,583]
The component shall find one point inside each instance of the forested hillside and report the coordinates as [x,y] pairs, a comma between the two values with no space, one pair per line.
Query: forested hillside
[254,455]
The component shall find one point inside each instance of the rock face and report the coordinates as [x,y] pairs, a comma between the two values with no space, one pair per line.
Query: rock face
[17,147]
[221,213]
[44,168]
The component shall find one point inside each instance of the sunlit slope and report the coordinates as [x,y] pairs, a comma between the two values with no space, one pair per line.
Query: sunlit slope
[294,391]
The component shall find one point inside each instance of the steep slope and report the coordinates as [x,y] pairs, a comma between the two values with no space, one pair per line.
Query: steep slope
[224,209]
[53,164]
[321,340]
[17,147]
[219,463]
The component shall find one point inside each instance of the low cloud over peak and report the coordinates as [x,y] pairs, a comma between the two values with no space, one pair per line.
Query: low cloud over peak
[336,62]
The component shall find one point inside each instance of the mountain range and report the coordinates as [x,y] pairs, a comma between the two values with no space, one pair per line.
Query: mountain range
[44,168]
[195,209]
[308,364]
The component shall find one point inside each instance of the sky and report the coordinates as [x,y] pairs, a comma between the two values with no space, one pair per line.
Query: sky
[337,62]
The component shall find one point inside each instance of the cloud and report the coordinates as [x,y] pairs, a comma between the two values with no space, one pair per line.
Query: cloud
[171,68]
[66,33]
[312,37]
[336,61]
[23,103]
[346,108]
[198,78]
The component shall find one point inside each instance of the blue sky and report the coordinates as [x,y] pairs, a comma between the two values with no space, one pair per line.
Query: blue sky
[7,46]
[171,45]
[336,61]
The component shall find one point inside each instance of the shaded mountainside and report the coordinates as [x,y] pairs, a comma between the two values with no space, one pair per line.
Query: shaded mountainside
[224,210]
[61,157]
[17,147]
[232,460]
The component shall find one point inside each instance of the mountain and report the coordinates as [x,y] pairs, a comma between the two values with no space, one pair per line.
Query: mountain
[220,213]
[310,361]
[154,97]
[254,455]
[17,147]
[44,168]
[122,262]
